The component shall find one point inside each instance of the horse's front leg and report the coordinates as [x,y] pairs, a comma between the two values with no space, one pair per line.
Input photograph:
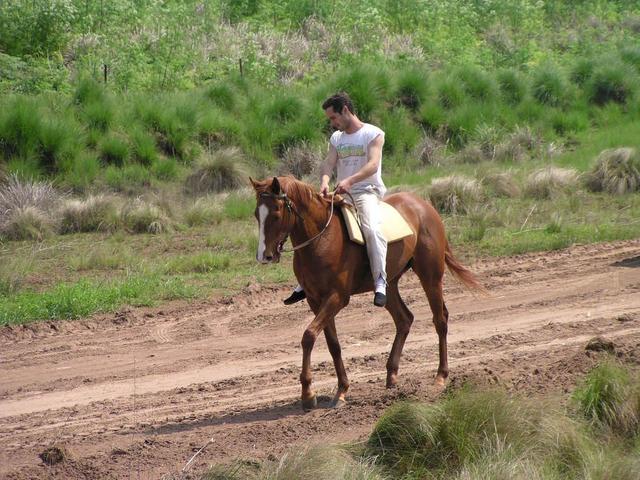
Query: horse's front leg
[331,335]
[325,313]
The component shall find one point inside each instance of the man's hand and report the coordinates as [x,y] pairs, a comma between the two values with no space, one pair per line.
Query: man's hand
[324,189]
[344,186]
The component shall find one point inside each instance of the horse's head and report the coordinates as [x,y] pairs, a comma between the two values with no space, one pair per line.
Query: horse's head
[276,218]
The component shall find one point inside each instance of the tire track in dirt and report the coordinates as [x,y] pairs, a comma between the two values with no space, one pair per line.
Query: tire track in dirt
[228,368]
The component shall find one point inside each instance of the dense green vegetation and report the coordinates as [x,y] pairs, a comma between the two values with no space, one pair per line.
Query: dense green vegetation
[518,120]
[475,433]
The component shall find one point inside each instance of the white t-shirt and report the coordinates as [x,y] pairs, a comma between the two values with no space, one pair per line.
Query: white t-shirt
[352,156]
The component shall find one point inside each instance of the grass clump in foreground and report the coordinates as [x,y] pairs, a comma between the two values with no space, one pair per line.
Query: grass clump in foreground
[477,434]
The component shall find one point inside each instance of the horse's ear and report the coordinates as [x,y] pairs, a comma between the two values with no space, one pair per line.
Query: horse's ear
[254,183]
[275,186]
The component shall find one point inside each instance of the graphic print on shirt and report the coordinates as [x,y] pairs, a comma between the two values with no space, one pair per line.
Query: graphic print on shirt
[347,150]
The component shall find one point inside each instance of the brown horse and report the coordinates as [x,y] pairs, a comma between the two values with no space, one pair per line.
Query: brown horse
[331,268]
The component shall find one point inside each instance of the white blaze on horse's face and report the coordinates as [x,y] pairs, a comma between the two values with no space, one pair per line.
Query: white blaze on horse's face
[263,211]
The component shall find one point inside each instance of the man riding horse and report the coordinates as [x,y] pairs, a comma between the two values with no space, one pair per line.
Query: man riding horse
[356,149]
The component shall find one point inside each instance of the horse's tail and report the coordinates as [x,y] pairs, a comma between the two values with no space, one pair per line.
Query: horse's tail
[459,271]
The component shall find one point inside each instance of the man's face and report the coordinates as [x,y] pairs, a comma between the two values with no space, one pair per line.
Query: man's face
[338,120]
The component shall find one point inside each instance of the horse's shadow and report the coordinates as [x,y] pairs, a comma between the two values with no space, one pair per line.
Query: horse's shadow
[632,262]
[265,414]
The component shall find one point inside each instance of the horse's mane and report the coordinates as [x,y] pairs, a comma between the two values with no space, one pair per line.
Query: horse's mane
[298,190]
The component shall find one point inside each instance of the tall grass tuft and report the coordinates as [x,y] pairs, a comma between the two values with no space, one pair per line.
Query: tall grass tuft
[27,209]
[114,150]
[320,462]
[430,151]
[142,217]
[218,171]
[455,193]
[88,91]
[476,83]
[222,95]
[143,147]
[20,125]
[616,171]
[93,214]
[608,398]
[202,212]
[411,89]
[549,182]
[549,85]
[612,82]
[14,272]
[300,160]
[501,185]
[512,86]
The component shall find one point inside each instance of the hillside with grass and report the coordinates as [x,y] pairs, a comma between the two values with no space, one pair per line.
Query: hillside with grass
[128,130]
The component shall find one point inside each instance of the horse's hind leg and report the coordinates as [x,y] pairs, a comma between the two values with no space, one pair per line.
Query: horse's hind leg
[331,336]
[403,318]
[430,275]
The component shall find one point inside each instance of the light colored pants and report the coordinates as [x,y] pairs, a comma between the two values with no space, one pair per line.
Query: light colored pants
[370,221]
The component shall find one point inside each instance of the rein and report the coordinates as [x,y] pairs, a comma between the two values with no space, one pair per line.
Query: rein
[291,207]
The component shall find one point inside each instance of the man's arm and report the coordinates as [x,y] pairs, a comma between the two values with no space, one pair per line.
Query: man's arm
[374,156]
[327,170]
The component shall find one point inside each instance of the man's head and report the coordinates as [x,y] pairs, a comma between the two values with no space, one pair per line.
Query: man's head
[339,110]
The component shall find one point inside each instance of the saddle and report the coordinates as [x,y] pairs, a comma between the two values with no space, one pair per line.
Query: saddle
[394,226]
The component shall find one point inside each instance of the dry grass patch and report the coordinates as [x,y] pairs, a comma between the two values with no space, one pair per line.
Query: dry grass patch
[93,214]
[430,151]
[501,184]
[550,181]
[616,171]
[202,212]
[300,161]
[219,171]
[455,194]
[143,217]
[27,209]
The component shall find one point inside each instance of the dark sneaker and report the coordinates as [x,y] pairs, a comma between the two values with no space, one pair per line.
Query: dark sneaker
[380,299]
[295,297]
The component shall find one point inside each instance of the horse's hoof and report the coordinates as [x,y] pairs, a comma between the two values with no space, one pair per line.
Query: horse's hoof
[338,403]
[309,403]
[440,382]
[392,382]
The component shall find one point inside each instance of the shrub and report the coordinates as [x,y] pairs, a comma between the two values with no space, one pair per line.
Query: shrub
[114,150]
[549,85]
[411,89]
[300,160]
[616,171]
[432,117]
[549,181]
[401,133]
[216,129]
[512,85]
[20,125]
[454,194]
[283,108]
[367,86]
[219,171]
[612,82]
[93,214]
[141,217]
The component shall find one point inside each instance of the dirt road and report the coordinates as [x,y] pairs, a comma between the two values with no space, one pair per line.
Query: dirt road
[137,393]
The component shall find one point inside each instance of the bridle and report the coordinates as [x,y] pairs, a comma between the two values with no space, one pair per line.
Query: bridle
[291,208]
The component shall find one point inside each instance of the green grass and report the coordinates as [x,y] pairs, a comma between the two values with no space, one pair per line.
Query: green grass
[83,298]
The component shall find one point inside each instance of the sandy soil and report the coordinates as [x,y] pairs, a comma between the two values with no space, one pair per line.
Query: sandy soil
[135,394]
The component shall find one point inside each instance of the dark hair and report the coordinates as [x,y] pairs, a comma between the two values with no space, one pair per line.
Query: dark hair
[338,101]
